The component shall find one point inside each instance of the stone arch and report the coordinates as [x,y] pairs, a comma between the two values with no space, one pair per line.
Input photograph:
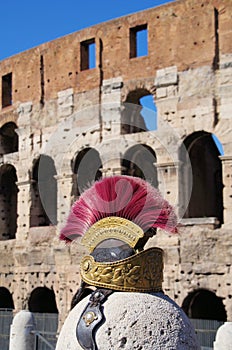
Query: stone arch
[149,111]
[135,95]
[6,300]
[8,138]
[86,167]
[43,211]
[8,202]
[42,299]
[132,118]
[201,178]
[204,304]
[139,161]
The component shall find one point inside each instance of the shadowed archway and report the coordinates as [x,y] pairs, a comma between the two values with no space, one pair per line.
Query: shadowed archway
[42,300]
[6,300]
[204,304]
[87,168]
[139,161]
[201,178]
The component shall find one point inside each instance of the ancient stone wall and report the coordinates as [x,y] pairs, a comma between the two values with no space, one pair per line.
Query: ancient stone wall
[62,109]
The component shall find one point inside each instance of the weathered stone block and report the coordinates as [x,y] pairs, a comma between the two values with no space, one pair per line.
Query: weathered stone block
[24,111]
[166,76]
[65,102]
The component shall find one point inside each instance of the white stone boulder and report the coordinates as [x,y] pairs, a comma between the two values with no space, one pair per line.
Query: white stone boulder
[223,339]
[142,321]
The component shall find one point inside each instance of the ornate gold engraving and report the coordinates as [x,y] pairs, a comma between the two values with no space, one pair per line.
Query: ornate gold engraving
[142,272]
[112,227]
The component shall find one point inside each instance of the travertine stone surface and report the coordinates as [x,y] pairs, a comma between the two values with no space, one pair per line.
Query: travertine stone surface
[135,321]
[223,339]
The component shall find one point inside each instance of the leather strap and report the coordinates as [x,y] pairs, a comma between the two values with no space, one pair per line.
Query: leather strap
[91,318]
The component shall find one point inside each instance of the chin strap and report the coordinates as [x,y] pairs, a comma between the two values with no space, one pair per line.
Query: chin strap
[91,318]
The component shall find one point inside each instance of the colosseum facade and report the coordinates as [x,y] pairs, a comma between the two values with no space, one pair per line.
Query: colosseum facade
[79,120]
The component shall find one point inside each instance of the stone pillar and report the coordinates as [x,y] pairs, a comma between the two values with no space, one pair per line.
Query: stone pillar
[21,337]
[112,166]
[65,103]
[24,130]
[168,181]
[24,204]
[166,95]
[111,106]
[227,190]
[64,191]
[224,337]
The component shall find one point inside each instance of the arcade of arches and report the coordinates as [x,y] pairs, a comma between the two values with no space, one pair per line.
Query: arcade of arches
[199,304]
[42,300]
[200,178]
[204,171]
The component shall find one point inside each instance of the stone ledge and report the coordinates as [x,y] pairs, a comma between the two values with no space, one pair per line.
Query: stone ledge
[212,222]
[108,85]
[226,65]
[166,76]
[41,234]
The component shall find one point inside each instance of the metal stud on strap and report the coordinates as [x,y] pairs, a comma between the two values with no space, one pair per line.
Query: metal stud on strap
[91,318]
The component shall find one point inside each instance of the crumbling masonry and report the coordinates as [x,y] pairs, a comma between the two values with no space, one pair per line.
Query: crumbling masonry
[58,109]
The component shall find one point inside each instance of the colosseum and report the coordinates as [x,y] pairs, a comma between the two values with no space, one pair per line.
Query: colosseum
[68,117]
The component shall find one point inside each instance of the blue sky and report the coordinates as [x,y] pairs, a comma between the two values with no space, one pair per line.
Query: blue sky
[27,23]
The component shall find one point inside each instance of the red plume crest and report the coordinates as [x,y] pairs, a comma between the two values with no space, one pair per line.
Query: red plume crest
[124,196]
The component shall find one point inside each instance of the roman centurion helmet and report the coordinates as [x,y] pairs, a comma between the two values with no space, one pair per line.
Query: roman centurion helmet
[115,218]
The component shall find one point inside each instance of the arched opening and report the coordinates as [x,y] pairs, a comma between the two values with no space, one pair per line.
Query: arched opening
[218,144]
[8,202]
[87,168]
[8,138]
[139,112]
[204,304]
[6,300]
[201,178]
[43,210]
[139,161]
[149,112]
[42,300]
